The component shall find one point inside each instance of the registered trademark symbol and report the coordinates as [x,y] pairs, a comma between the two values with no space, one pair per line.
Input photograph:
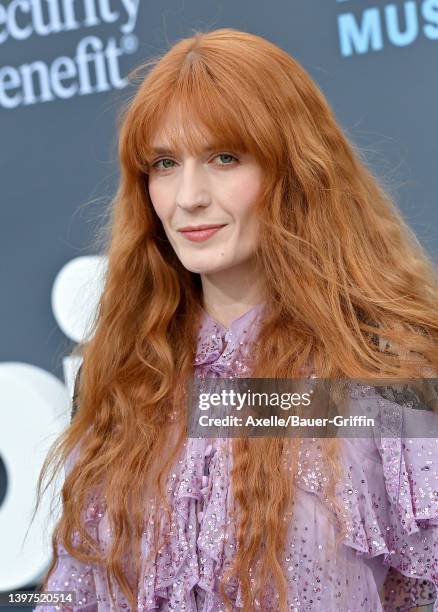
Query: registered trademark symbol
[129,43]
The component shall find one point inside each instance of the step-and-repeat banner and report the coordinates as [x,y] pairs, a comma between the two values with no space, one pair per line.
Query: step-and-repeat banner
[63,69]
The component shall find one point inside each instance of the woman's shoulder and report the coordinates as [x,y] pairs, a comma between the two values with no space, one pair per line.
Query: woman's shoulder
[388,482]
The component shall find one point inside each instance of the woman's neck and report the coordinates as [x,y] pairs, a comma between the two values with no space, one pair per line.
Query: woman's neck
[229,294]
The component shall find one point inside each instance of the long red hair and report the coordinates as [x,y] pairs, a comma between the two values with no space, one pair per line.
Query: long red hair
[344,276]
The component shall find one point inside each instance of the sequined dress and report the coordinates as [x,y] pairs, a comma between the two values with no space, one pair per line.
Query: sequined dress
[389,501]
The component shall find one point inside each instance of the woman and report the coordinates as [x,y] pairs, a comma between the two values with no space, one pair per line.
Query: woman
[311,270]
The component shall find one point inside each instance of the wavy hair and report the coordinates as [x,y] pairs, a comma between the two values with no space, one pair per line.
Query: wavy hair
[350,290]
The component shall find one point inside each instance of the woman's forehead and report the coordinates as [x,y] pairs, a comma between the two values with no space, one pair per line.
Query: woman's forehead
[177,133]
[181,129]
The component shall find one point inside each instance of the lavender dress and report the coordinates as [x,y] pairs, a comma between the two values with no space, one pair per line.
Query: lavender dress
[389,501]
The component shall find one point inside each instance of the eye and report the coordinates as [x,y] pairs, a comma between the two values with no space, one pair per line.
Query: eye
[165,167]
[227,155]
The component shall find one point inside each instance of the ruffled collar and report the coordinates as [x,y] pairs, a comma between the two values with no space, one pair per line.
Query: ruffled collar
[217,345]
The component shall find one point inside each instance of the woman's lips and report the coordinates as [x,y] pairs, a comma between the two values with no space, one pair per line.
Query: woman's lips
[201,235]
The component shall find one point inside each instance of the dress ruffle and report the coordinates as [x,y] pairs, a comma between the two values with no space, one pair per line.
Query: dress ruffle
[389,495]
[186,570]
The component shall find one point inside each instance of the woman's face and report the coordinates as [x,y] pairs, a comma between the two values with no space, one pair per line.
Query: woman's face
[218,187]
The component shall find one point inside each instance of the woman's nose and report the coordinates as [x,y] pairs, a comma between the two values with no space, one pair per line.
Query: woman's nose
[193,188]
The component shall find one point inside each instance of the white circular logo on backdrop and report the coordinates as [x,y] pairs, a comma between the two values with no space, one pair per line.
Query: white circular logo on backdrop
[76,293]
[35,409]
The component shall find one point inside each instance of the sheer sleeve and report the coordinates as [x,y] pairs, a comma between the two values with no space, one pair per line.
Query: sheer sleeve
[407,442]
[411,476]
[389,496]
[72,575]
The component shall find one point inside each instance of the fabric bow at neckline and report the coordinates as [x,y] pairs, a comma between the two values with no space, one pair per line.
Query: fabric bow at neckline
[216,343]
[218,347]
